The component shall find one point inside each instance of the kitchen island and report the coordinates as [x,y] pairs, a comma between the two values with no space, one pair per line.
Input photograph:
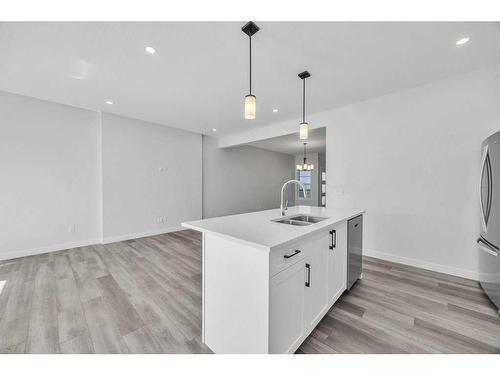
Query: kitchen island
[267,284]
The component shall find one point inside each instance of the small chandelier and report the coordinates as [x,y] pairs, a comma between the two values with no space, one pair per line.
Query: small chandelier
[250,100]
[304,126]
[305,166]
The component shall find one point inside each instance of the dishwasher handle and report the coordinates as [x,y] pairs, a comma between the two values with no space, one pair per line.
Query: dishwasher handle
[308,268]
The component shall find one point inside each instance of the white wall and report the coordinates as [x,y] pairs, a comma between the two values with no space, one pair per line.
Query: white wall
[70,177]
[412,160]
[49,180]
[136,192]
[243,179]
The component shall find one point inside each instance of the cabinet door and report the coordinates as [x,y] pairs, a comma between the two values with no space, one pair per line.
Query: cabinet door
[287,305]
[315,298]
[337,262]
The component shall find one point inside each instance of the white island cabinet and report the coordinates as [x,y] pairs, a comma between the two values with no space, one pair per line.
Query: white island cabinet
[266,285]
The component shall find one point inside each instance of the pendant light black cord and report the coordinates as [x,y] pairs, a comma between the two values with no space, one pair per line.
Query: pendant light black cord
[304,101]
[250,38]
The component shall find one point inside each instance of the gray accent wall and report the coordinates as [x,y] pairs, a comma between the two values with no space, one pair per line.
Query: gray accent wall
[243,179]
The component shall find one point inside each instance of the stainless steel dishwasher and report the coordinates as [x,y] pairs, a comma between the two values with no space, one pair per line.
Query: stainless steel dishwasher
[354,250]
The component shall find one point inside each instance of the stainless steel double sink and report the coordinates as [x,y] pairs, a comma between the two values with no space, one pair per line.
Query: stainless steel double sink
[300,220]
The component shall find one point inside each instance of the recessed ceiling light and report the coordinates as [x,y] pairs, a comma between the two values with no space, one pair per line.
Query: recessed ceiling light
[275,110]
[109,102]
[462,41]
[150,50]
[214,130]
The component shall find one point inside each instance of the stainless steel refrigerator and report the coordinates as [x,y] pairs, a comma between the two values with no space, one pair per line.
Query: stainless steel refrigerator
[489,202]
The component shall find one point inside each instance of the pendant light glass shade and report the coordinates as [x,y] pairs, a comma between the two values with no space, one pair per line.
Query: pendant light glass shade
[250,107]
[303,131]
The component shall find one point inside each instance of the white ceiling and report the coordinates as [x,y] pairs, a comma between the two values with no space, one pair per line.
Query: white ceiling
[290,144]
[198,78]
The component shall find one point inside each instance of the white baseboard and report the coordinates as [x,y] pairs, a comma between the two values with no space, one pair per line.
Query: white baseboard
[71,245]
[423,264]
[132,236]
[47,249]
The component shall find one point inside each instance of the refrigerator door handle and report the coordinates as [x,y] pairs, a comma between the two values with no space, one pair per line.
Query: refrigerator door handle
[486,247]
[483,162]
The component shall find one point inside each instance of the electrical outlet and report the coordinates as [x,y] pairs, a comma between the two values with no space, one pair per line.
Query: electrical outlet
[162,169]
[72,228]
[161,220]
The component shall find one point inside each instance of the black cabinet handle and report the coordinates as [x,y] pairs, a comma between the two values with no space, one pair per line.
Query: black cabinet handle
[286,256]
[333,234]
[308,282]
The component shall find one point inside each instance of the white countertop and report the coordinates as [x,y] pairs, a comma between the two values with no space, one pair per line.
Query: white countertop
[257,229]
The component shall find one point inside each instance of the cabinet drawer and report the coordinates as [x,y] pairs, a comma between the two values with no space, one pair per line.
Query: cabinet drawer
[281,259]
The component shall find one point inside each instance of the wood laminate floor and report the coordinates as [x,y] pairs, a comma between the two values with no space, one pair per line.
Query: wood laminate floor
[144,296]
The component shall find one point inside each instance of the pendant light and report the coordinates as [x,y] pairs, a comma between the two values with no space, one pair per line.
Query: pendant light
[250,100]
[305,166]
[304,126]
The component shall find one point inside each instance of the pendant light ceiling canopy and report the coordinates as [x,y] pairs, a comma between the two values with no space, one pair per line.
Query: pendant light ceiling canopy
[304,126]
[250,100]
[305,166]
